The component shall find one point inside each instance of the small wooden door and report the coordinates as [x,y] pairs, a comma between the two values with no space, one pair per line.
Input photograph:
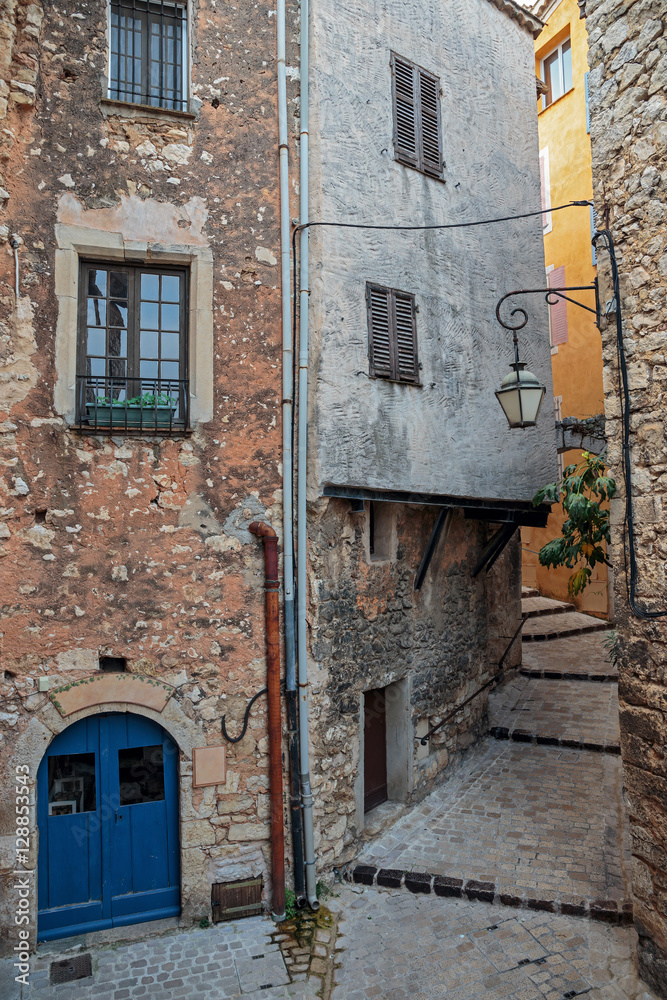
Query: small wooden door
[107,807]
[375,749]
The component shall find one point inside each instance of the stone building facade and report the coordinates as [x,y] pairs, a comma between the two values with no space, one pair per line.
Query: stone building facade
[133,617]
[440,438]
[628,78]
[137,547]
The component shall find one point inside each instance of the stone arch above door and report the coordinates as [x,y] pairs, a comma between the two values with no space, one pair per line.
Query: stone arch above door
[30,747]
[48,722]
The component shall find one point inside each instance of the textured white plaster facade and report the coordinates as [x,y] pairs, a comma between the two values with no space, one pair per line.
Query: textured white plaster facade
[448,436]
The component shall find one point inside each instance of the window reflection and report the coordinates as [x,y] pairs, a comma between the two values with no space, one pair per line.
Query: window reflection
[141,775]
[72,784]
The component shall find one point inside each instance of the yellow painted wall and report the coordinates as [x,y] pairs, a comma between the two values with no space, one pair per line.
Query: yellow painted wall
[577,364]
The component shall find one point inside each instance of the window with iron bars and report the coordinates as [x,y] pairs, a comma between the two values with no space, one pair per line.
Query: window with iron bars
[148,53]
[132,349]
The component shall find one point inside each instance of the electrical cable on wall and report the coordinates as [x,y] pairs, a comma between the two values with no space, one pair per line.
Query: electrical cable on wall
[397,228]
[629,552]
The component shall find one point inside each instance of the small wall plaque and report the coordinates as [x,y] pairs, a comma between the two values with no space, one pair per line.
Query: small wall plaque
[208,766]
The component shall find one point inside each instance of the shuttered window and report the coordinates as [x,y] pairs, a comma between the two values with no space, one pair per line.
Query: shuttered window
[417,139]
[558,310]
[392,334]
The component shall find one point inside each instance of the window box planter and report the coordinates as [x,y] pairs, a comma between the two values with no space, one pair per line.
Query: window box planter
[130,415]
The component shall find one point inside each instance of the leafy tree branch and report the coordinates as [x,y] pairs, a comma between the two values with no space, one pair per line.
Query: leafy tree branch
[585,532]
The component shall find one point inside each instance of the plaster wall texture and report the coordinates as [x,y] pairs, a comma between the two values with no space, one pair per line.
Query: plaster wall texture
[432,649]
[139,547]
[628,60]
[448,436]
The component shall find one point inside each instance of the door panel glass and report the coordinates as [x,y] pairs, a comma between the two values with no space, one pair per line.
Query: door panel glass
[72,784]
[141,775]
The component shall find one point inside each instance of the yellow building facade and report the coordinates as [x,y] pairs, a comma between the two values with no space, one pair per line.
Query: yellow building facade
[565,164]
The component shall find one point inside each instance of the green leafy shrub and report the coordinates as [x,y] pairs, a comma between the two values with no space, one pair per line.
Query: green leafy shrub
[610,643]
[585,532]
[290,904]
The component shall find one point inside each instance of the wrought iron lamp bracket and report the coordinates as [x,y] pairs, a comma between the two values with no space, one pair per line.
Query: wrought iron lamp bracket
[551,296]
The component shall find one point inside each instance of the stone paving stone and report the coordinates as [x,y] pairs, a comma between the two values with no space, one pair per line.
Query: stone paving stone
[226,962]
[545,626]
[583,655]
[537,821]
[573,710]
[420,947]
[533,606]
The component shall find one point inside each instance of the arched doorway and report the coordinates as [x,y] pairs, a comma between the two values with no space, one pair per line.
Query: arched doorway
[107,812]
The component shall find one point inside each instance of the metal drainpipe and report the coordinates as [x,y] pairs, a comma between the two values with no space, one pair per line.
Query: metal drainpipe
[288,467]
[301,574]
[266,532]
[14,244]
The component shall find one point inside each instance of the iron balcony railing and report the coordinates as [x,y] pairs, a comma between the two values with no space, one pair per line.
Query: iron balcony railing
[112,405]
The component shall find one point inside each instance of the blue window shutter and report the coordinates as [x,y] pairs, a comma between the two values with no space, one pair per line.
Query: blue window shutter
[588,110]
[594,256]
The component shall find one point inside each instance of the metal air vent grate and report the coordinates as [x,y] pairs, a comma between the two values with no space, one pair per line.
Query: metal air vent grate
[69,969]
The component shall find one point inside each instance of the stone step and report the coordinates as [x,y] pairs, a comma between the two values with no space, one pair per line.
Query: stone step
[460,886]
[531,607]
[529,592]
[556,626]
[576,657]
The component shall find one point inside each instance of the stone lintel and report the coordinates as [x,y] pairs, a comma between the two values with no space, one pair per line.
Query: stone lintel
[102,689]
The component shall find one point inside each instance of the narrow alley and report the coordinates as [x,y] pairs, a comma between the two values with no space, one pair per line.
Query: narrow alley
[511,880]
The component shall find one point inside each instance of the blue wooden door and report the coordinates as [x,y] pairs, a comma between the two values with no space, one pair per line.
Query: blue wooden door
[108,826]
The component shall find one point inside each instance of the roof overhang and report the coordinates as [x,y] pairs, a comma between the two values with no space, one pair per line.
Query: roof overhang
[519,512]
[521,15]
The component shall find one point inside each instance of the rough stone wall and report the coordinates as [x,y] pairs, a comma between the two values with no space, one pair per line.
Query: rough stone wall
[139,547]
[628,60]
[370,629]
[20,25]
[449,435]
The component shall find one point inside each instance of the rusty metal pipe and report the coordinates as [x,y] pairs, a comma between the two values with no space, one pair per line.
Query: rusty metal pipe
[269,537]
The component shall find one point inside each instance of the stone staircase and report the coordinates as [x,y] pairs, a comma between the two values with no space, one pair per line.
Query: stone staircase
[548,619]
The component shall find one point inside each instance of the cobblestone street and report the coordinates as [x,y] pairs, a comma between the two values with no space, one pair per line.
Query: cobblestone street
[539,822]
[396,946]
[224,962]
[509,881]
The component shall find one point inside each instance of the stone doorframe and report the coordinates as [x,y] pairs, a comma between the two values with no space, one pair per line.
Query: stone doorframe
[31,746]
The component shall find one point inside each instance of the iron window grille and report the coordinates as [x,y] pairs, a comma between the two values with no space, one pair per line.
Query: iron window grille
[132,349]
[417,127]
[148,53]
[392,334]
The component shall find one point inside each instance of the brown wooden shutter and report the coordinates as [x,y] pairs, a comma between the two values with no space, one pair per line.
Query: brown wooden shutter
[429,108]
[406,112]
[406,337]
[379,332]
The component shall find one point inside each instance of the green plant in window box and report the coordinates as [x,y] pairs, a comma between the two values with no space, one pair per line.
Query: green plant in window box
[150,409]
[585,533]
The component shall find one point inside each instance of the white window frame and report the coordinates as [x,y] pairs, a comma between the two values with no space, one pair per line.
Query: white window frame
[185,92]
[547,55]
[558,416]
[544,175]
[554,347]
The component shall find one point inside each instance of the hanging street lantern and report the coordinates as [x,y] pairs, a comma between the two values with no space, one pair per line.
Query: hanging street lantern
[520,396]
[521,393]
